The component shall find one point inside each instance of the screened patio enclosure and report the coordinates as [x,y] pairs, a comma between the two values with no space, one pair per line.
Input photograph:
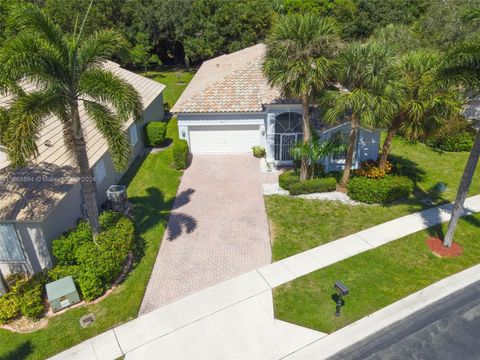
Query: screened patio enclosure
[288,132]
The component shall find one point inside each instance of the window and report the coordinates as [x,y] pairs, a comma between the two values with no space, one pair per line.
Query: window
[342,154]
[100,171]
[133,134]
[288,122]
[10,248]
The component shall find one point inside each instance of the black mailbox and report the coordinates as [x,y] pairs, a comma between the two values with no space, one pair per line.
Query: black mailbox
[341,288]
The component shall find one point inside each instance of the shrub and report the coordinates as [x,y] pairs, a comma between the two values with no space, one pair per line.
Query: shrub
[155,132]
[380,191]
[456,135]
[259,151]
[288,178]
[370,169]
[313,186]
[25,297]
[180,154]
[64,248]
[94,267]
[9,308]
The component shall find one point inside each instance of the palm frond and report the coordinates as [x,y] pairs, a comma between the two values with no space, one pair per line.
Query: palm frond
[26,56]
[105,87]
[99,47]
[26,117]
[111,129]
[31,19]
[300,55]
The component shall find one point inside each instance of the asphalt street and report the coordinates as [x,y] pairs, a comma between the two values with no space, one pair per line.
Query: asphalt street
[447,329]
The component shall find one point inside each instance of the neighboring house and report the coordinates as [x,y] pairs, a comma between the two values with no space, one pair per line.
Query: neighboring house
[42,200]
[228,107]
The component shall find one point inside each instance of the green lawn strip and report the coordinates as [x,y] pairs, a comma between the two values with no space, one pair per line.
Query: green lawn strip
[376,278]
[176,80]
[429,167]
[298,225]
[152,185]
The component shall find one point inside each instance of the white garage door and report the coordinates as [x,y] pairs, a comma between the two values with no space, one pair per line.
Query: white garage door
[223,139]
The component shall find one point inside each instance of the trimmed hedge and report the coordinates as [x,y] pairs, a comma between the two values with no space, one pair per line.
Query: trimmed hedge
[313,186]
[155,132]
[180,154]
[379,191]
[286,179]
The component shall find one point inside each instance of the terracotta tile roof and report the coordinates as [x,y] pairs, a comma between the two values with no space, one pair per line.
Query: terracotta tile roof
[229,83]
[32,200]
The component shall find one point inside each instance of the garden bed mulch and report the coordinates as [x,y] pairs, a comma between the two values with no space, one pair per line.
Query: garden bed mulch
[436,247]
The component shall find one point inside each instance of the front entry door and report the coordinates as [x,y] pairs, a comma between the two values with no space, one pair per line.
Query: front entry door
[287,142]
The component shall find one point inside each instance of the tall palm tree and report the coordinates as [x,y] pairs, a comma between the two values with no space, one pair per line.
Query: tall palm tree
[67,71]
[366,94]
[423,100]
[463,67]
[299,61]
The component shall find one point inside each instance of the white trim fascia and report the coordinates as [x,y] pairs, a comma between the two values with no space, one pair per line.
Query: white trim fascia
[225,122]
[283,106]
[223,113]
[343,124]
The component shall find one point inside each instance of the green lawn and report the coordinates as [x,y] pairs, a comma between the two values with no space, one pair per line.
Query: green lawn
[176,79]
[152,185]
[298,225]
[376,279]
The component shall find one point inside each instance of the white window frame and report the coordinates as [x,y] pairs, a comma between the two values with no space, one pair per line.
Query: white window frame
[133,134]
[100,171]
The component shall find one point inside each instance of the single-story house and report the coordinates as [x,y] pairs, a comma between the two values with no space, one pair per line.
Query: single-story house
[44,199]
[229,107]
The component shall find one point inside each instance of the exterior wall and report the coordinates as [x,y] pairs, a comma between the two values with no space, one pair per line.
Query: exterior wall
[187,120]
[367,142]
[155,111]
[272,112]
[37,237]
[366,148]
[34,247]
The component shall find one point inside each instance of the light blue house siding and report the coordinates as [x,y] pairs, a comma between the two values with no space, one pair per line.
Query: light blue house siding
[263,129]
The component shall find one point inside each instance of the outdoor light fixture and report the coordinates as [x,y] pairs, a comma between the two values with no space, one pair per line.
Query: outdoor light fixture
[341,290]
[183,133]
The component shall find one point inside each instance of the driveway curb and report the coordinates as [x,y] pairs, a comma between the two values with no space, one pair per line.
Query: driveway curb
[369,325]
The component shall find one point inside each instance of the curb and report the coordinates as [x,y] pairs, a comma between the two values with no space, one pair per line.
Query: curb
[369,325]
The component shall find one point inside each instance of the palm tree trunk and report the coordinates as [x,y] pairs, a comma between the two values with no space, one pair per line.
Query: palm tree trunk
[463,190]
[352,142]
[387,144]
[306,138]
[3,284]
[86,174]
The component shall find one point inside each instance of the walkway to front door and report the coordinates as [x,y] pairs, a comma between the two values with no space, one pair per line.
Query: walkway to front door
[217,230]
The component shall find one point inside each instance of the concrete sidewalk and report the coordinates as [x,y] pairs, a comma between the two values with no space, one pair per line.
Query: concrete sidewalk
[235,320]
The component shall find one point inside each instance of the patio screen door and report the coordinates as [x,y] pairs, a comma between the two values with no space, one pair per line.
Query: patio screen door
[10,249]
[287,142]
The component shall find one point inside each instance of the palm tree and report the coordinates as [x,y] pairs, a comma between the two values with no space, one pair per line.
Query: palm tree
[67,71]
[463,67]
[299,61]
[365,94]
[317,149]
[423,101]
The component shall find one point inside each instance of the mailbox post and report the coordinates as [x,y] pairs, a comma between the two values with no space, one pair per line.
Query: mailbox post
[341,290]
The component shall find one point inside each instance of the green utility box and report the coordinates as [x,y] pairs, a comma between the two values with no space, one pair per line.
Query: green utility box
[62,293]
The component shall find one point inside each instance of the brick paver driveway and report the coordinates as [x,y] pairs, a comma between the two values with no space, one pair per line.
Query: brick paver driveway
[218,229]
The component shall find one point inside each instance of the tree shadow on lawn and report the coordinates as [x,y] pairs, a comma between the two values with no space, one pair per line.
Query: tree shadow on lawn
[20,352]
